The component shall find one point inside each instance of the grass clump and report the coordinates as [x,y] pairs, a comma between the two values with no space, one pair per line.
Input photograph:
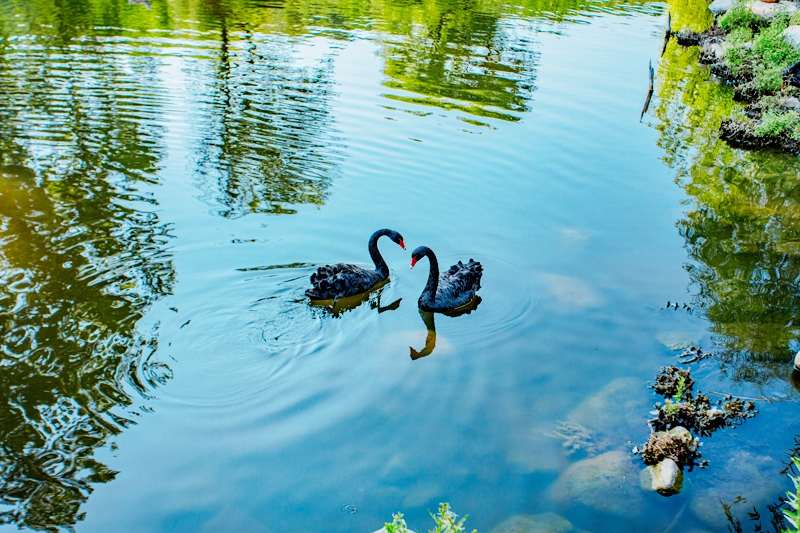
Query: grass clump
[739,17]
[774,123]
[772,54]
[445,520]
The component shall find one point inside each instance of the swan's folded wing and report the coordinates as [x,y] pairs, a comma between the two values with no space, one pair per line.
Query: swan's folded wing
[461,280]
[340,280]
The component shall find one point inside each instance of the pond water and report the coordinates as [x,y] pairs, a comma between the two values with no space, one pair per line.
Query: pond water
[171,174]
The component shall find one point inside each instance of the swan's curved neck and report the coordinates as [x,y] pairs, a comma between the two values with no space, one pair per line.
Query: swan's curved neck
[375,254]
[433,277]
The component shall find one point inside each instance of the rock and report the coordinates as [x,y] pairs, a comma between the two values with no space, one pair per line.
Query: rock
[719,7]
[715,413]
[540,523]
[607,483]
[767,11]
[617,409]
[794,379]
[797,361]
[743,475]
[666,477]
[792,36]
[679,340]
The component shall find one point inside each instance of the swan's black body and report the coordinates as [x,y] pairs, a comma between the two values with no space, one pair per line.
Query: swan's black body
[791,76]
[332,282]
[452,289]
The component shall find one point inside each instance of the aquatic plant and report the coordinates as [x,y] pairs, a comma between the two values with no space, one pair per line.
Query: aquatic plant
[445,522]
[681,447]
[793,515]
[684,413]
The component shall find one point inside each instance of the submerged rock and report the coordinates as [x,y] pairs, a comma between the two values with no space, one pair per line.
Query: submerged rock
[610,413]
[767,11]
[539,523]
[665,478]
[744,475]
[607,483]
[720,7]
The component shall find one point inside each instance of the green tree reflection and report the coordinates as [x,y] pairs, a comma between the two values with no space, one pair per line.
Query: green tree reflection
[267,142]
[82,255]
[742,227]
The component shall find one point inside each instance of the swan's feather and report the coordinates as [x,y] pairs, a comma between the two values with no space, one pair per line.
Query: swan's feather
[458,285]
[331,282]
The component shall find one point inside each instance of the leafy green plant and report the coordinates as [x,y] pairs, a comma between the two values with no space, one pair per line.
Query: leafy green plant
[792,515]
[398,525]
[772,53]
[445,522]
[774,123]
[739,17]
[681,389]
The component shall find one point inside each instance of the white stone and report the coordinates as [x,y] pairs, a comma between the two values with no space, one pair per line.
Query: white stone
[719,7]
[715,413]
[792,35]
[767,11]
[797,361]
[666,477]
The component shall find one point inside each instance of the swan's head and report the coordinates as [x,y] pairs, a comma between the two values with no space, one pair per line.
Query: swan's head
[396,237]
[418,254]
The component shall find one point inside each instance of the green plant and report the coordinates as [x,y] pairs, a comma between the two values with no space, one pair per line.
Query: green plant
[681,389]
[792,516]
[445,522]
[774,123]
[738,17]
[772,53]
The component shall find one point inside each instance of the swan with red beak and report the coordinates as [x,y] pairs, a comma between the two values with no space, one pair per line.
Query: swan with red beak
[332,282]
[453,289]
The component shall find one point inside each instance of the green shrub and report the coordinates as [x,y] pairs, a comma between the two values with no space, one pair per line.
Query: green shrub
[445,522]
[739,17]
[774,123]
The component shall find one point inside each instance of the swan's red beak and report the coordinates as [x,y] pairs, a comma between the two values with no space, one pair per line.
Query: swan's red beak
[402,244]
[413,261]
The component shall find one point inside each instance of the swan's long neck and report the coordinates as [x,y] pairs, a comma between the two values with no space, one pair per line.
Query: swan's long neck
[429,293]
[375,254]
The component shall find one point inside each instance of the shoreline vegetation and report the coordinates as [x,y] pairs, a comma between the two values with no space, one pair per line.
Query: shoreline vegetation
[749,46]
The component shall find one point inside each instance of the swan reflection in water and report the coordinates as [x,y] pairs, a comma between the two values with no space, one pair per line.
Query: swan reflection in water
[430,325]
[338,307]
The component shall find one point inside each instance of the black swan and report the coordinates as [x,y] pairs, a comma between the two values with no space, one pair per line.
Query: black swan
[791,76]
[454,289]
[332,282]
